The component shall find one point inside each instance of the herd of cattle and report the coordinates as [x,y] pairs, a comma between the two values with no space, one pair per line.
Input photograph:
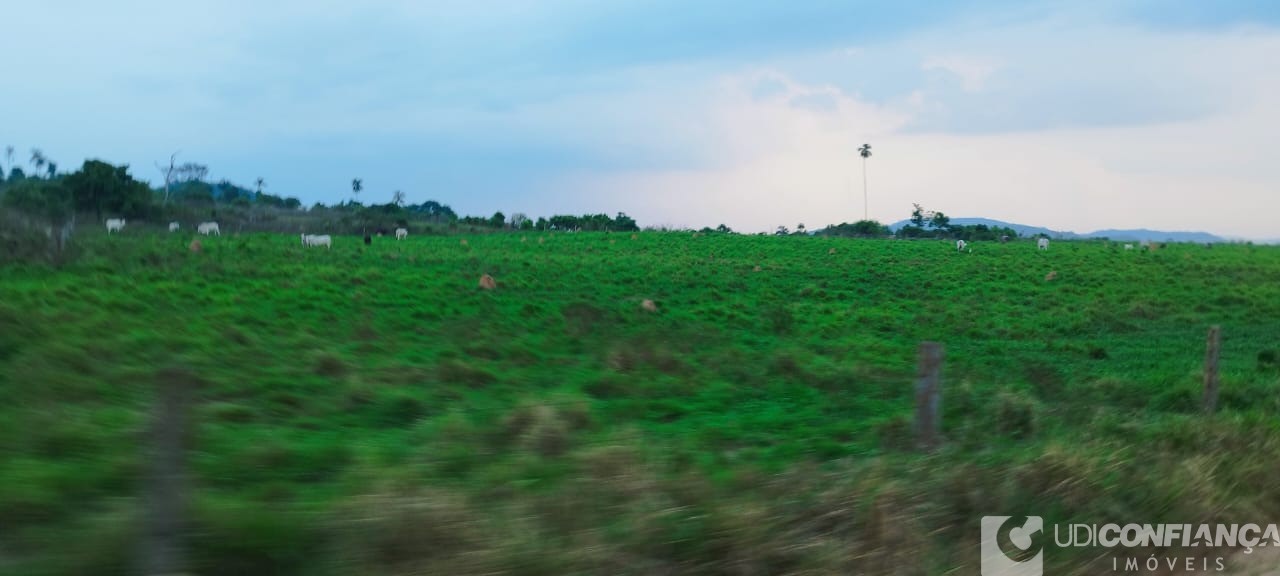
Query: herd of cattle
[204,228]
[211,228]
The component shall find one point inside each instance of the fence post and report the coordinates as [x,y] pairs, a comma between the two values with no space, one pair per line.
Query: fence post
[164,488]
[928,422]
[1213,345]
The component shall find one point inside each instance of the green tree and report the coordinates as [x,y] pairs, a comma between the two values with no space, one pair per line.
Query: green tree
[99,186]
[940,222]
[50,201]
[624,223]
[564,222]
[196,194]
[230,194]
[917,216]
[861,228]
[497,220]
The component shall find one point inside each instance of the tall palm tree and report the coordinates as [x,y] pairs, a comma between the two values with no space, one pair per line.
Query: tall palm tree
[356,186]
[261,183]
[8,154]
[865,152]
[37,160]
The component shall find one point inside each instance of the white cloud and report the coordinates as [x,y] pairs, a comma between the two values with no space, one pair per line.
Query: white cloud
[972,72]
[779,163]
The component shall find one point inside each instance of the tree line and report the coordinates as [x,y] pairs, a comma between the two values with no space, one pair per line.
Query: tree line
[46,199]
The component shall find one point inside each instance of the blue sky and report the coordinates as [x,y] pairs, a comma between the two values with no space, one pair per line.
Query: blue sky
[1074,115]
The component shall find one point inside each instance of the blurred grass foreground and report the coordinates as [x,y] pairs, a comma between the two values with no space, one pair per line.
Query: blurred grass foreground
[662,403]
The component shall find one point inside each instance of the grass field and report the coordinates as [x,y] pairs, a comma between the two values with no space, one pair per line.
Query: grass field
[370,410]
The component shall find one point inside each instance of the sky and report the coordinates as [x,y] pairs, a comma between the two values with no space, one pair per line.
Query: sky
[1074,115]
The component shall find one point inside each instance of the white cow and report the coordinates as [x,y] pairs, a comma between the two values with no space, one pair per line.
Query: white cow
[960,244]
[1128,246]
[402,233]
[115,225]
[173,226]
[319,241]
[208,228]
[1042,244]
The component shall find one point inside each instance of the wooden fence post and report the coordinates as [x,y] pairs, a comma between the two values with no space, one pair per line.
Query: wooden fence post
[1212,346]
[928,422]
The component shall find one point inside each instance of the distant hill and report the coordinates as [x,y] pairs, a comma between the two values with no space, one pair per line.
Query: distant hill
[1130,235]
[1156,236]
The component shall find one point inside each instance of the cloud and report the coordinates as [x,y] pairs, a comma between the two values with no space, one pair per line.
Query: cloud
[972,72]
[782,160]
[686,114]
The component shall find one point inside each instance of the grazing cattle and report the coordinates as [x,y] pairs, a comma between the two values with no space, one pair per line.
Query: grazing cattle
[960,244]
[1004,239]
[115,225]
[207,228]
[402,233]
[368,240]
[173,226]
[1042,244]
[1128,246]
[312,240]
